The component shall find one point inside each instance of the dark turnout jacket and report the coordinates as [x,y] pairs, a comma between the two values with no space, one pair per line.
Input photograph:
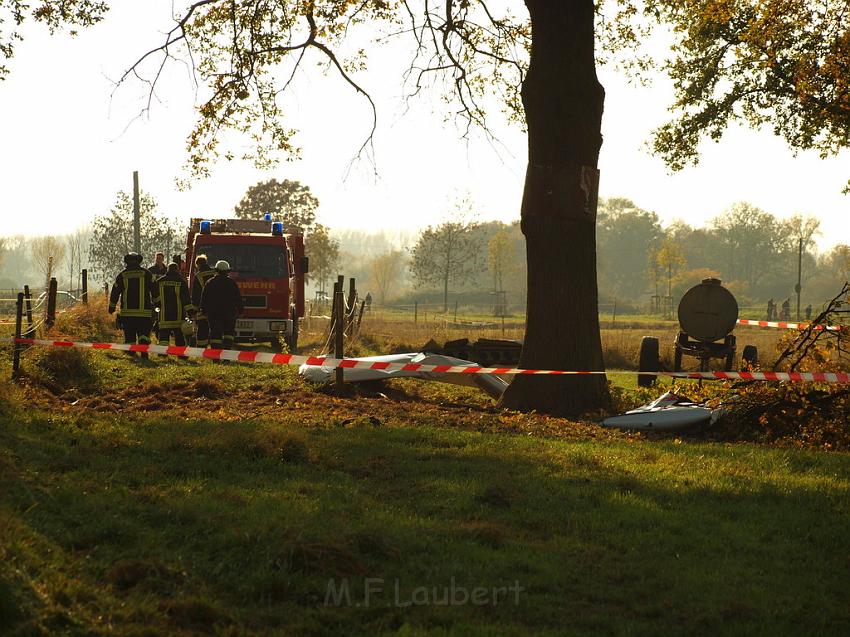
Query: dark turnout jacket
[158,270]
[204,274]
[221,297]
[134,288]
[171,295]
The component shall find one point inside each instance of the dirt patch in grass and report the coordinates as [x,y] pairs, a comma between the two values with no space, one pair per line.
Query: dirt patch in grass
[400,405]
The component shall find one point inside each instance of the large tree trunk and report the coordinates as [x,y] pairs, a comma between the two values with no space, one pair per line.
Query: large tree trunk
[563,107]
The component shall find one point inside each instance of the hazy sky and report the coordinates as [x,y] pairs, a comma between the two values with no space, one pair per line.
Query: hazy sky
[69,145]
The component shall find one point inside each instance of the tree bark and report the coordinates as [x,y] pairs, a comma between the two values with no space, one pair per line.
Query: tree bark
[563,103]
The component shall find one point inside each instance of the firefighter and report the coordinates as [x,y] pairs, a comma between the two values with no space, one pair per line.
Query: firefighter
[159,268]
[178,259]
[203,273]
[221,303]
[171,296]
[134,288]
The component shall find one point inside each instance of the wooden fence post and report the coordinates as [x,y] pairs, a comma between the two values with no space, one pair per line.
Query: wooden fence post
[16,357]
[28,299]
[51,303]
[339,330]
[360,315]
[85,284]
[352,295]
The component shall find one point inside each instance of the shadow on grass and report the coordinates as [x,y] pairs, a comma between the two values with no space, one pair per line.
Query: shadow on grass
[193,525]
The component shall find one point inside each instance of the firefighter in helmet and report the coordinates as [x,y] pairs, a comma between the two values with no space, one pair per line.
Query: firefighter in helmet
[221,303]
[133,287]
[171,296]
[203,273]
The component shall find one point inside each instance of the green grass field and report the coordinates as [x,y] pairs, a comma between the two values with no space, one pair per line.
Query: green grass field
[183,498]
[170,497]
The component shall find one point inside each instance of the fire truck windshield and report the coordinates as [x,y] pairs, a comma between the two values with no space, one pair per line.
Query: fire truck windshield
[268,261]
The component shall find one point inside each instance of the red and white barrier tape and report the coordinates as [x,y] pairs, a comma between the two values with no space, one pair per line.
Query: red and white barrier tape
[789,326]
[347,363]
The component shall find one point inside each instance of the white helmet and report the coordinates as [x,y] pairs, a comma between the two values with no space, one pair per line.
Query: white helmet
[222,266]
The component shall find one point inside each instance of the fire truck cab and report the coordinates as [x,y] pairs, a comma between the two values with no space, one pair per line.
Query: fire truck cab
[267,263]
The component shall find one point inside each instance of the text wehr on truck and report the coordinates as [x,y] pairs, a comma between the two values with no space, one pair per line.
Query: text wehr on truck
[268,264]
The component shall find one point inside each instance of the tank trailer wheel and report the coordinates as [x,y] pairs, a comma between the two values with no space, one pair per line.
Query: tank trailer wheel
[749,357]
[649,361]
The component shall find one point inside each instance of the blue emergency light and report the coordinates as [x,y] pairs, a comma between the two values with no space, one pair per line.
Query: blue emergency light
[206,227]
[277,228]
[267,216]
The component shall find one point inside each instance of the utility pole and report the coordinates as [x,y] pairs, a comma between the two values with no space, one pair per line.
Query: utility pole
[799,287]
[137,224]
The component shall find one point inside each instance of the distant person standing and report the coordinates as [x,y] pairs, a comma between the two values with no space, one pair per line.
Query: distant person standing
[771,310]
[221,303]
[159,268]
[367,302]
[171,295]
[133,287]
[786,309]
[809,312]
[203,273]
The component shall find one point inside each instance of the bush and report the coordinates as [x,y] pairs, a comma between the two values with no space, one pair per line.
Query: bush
[87,322]
[60,369]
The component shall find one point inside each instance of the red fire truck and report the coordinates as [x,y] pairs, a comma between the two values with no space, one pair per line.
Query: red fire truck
[267,263]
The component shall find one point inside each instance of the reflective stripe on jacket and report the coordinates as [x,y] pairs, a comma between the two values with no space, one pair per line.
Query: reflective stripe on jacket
[198,282]
[171,295]
[134,288]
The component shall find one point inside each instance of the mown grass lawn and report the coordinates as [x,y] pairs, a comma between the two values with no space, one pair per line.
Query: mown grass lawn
[236,503]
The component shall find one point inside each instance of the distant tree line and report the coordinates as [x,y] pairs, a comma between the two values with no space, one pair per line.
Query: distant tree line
[752,251]
[33,260]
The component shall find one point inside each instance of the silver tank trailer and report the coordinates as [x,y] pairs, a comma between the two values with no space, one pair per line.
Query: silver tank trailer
[707,313]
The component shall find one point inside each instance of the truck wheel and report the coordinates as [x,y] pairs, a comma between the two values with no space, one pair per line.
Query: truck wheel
[649,361]
[750,357]
[292,339]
